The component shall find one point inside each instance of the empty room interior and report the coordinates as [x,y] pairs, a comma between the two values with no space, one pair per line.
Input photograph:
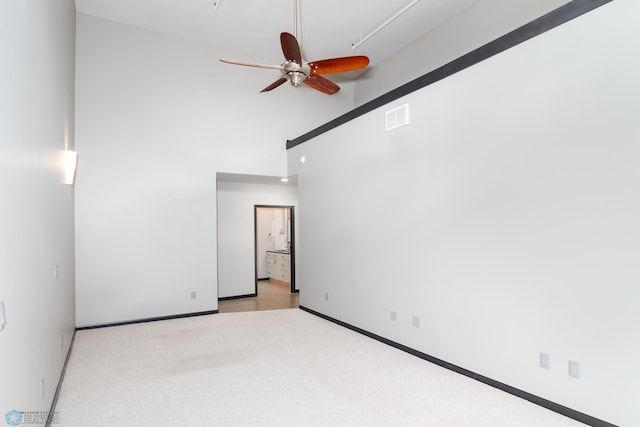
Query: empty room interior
[445,193]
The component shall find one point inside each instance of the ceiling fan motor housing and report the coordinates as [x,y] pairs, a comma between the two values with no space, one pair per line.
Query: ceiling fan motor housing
[295,72]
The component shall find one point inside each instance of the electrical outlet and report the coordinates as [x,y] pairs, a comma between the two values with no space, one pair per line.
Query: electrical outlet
[42,390]
[326,296]
[545,361]
[56,271]
[394,316]
[61,342]
[193,294]
[415,321]
[574,369]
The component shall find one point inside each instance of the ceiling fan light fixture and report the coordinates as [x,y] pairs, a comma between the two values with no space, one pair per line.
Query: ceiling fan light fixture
[296,77]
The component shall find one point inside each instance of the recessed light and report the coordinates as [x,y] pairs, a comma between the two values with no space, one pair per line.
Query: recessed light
[284,179]
[303,160]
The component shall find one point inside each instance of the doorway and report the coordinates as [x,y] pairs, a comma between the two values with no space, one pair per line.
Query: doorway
[274,245]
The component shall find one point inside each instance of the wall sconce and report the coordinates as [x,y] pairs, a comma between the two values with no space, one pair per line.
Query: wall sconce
[70,166]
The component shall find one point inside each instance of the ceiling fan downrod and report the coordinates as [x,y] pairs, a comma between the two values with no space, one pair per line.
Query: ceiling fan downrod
[295,19]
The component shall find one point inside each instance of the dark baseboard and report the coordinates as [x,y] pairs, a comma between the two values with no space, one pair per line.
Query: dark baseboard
[151,319]
[262,279]
[238,297]
[51,415]
[555,407]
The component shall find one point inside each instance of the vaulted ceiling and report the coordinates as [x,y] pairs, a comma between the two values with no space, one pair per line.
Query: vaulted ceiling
[251,28]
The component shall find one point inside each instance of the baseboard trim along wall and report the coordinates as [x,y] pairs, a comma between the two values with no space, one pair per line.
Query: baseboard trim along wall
[555,407]
[150,319]
[51,418]
[238,297]
[559,16]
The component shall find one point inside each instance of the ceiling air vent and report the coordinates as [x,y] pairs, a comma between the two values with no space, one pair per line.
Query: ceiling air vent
[397,117]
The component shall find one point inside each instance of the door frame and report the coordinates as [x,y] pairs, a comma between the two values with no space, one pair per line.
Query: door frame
[292,247]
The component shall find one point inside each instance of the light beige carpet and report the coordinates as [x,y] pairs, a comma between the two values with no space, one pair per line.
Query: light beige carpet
[270,368]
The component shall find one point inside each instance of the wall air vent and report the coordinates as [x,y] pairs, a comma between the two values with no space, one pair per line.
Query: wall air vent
[397,117]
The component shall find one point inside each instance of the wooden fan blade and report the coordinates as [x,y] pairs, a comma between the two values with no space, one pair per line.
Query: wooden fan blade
[248,64]
[290,48]
[338,65]
[320,83]
[274,85]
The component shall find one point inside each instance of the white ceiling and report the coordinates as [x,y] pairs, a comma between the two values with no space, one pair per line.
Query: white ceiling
[326,28]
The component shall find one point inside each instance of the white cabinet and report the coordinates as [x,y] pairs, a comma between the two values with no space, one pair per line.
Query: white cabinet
[279,266]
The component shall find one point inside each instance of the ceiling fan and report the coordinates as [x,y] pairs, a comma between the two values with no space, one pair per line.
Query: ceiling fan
[296,70]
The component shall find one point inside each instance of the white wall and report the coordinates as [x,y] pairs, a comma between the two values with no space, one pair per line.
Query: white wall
[236,246]
[157,118]
[483,22]
[36,218]
[515,203]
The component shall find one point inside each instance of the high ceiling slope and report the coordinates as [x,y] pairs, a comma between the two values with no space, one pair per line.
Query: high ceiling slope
[326,28]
